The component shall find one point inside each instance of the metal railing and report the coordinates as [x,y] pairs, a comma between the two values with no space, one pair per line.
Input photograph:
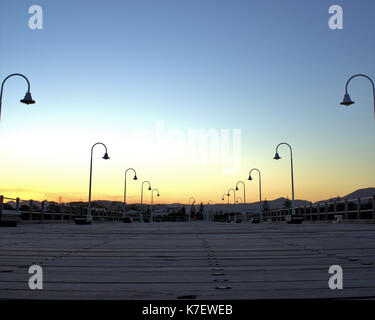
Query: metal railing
[63,212]
[352,209]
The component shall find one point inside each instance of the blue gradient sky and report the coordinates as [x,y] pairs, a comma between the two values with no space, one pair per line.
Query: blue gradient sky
[271,68]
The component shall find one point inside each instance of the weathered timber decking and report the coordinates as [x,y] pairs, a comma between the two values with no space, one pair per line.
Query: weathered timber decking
[202,260]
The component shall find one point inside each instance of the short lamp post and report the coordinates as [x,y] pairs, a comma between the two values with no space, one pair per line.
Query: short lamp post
[152,200]
[277,157]
[244,194]
[260,191]
[105,157]
[134,178]
[149,189]
[234,202]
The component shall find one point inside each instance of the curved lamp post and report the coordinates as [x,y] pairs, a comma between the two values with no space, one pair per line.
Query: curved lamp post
[277,157]
[234,202]
[222,197]
[27,99]
[347,101]
[191,198]
[260,190]
[105,157]
[244,193]
[149,189]
[152,199]
[135,178]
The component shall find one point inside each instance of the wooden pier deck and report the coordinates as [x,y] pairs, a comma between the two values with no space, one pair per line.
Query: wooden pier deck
[180,260]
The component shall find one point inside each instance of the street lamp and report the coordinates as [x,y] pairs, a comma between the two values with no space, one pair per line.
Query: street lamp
[234,202]
[191,198]
[277,157]
[260,190]
[26,100]
[105,157]
[152,199]
[135,178]
[244,193]
[149,189]
[347,101]
[222,198]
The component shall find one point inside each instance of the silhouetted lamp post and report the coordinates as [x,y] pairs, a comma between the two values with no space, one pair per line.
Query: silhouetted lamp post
[347,101]
[260,191]
[191,198]
[149,189]
[277,157]
[244,193]
[222,198]
[134,178]
[152,199]
[105,157]
[27,99]
[234,202]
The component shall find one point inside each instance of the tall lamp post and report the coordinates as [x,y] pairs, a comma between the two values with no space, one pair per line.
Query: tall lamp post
[191,198]
[347,101]
[260,191]
[149,189]
[152,199]
[234,202]
[105,157]
[27,99]
[277,157]
[134,178]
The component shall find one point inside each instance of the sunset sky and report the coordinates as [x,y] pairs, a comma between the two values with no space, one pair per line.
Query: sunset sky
[126,73]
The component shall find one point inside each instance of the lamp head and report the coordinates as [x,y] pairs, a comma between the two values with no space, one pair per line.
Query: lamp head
[277,157]
[250,178]
[149,188]
[158,194]
[27,99]
[236,188]
[347,101]
[228,194]
[135,177]
[106,157]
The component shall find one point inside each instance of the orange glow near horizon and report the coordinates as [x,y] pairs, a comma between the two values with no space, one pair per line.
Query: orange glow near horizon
[61,170]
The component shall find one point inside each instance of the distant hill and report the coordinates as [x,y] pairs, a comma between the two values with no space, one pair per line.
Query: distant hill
[255,206]
[360,193]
